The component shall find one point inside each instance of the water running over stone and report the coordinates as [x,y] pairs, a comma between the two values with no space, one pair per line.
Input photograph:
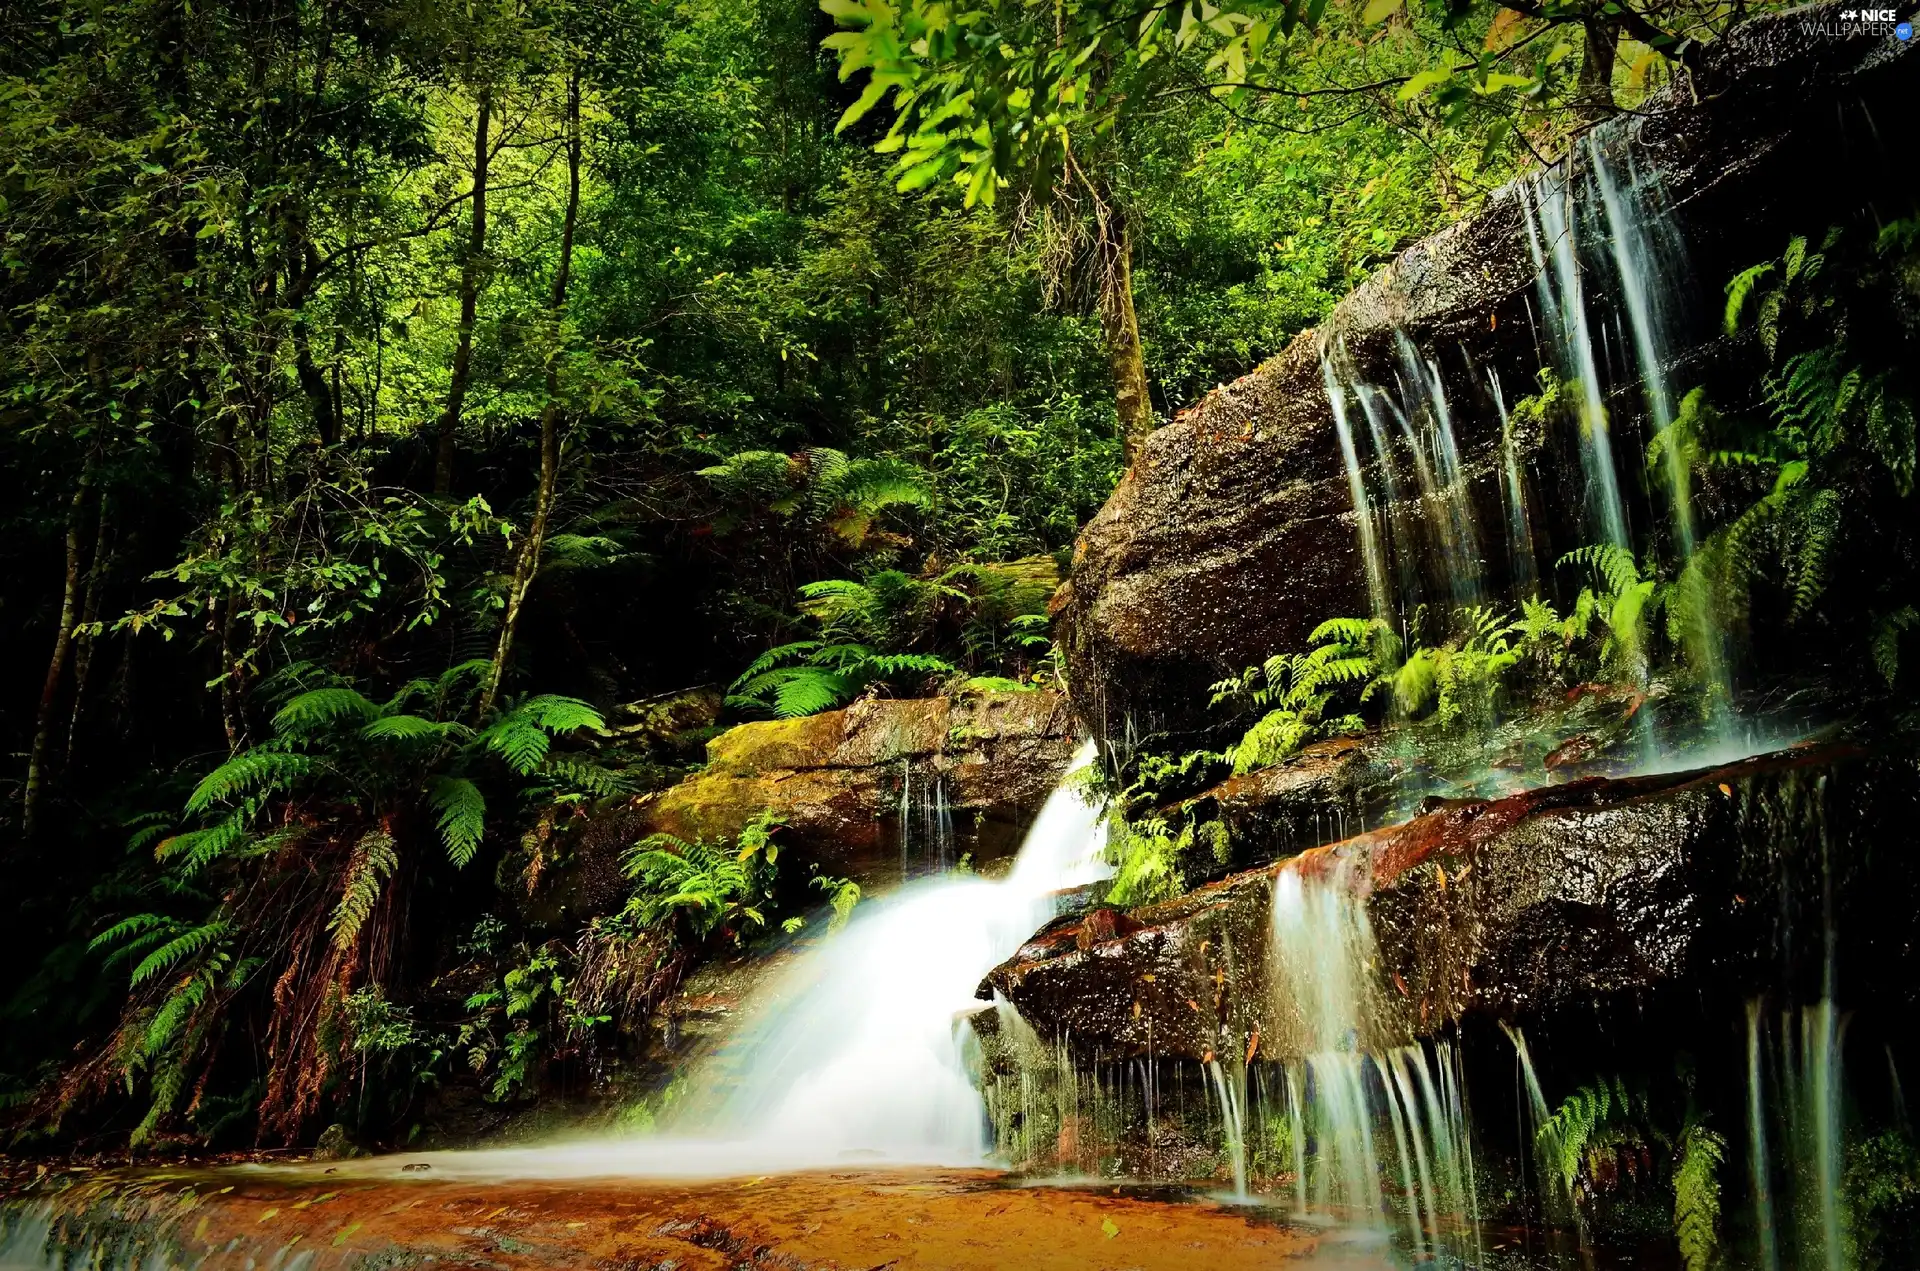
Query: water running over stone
[1360,1067]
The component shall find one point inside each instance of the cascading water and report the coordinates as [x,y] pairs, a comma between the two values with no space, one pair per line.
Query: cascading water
[1551,214]
[1357,486]
[1794,1134]
[1423,418]
[859,1052]
[1360,1068]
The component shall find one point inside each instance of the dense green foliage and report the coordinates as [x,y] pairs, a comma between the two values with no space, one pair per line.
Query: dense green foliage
[395,399]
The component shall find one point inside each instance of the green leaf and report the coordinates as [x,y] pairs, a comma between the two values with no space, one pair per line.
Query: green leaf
[1424,81]
[462,816]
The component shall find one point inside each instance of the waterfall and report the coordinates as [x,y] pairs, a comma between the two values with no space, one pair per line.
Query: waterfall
[1357,487]
[1524,563]
[1795,1133]
[1550,214]
[1631,227]
[1424,418]
[858,1053]
[1359,1069]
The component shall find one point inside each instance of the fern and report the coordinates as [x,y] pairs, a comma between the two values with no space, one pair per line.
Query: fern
[1696,1196]
[523,735]
[842,895]
[1886,640]
[322,708]
[196,849]
[1584,1128]
[372,863]
[1740,290]
[406,728]
[192,941]
[587,778]
[461,816]
[261,768]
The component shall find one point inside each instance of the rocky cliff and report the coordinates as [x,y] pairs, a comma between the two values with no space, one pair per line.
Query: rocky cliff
[1234,533]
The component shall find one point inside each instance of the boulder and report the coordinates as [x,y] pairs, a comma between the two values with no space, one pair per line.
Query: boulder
[1234,533]
[1720,882]
[865,791]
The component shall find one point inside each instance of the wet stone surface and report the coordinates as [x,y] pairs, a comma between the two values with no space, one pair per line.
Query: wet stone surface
[957,1220]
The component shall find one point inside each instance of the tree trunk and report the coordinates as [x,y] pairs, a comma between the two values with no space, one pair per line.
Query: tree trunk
[1594,93]
[1122,331]
[526,566]
[469,293]
[57,664]
[89,614]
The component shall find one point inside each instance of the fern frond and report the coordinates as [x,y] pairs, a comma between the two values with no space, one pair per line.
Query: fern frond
[372,863]
[259,769]
[404,728]
[773,658]
[461,816]
[1345,630]
[321,708]
[1886,640]
[559,714]
[806,690]
[1818,525]
[1696,1196]
[1740,290]
[126,928]
[588,778]
[1612,564]
[185,945]
[196,849]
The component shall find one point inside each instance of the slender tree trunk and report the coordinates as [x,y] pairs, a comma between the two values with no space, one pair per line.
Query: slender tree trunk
[326,418]
[526,565]
[89,614]
[57,664]
[1122,329]
[1594,93]
[470,269]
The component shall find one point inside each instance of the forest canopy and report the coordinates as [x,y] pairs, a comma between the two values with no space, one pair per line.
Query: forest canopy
[392,393]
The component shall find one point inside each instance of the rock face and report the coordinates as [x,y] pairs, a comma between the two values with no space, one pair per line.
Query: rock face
[1714,882]
[1235,534]
[969,772]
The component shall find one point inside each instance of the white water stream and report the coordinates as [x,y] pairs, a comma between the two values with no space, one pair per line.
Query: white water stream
[856,1054]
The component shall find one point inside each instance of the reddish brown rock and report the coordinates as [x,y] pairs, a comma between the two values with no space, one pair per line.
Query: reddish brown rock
[1563,897]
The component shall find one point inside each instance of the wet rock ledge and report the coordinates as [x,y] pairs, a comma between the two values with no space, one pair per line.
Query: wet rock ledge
[1578,896]
[1233,535]
[851,784]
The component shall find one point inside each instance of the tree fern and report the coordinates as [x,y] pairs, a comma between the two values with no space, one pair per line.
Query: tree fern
[368,868]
